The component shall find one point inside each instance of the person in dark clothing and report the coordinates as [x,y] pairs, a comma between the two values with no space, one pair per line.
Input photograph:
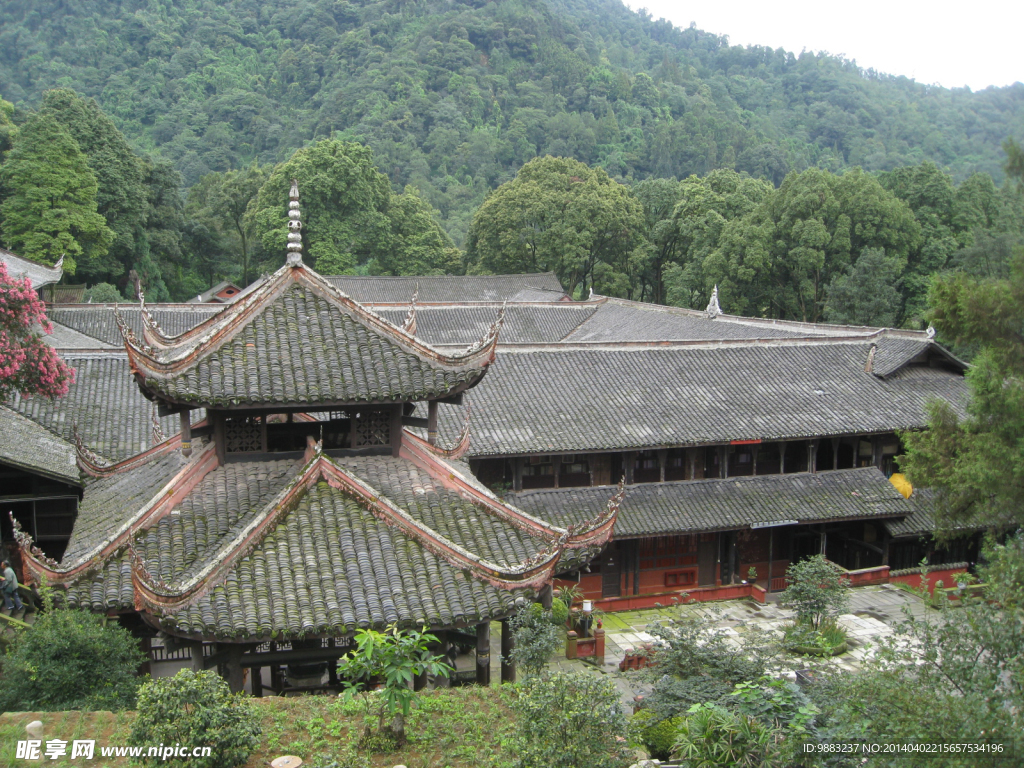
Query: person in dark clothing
[9,587]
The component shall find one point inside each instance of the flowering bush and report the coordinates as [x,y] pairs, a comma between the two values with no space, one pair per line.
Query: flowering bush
[27,364]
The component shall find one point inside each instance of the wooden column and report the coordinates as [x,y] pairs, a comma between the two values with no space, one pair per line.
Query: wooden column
[723,461]
[508,667]
[691,457]
[257,681]
[332,665]
[432,422]
[545,596]
[812,456]
[556,467]
[629,461]
[186,432]
[442,650]
[876,452]
[753,458]
[835,452]
[233,668]
[396,430]
[782,457]
[662,461]
[196,647]
[517,473]
[483,653]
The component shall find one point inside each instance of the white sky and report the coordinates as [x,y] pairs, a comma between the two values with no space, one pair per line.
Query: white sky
[950,43]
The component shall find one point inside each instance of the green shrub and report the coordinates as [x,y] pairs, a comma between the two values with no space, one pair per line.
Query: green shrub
[559,613]
[827,639]
[535,639]
[196,709]
[658,735]
[711,735]
[71,659]
[569,720]
[818,590]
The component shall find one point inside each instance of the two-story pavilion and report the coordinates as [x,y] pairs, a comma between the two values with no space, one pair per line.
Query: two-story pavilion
[294,504]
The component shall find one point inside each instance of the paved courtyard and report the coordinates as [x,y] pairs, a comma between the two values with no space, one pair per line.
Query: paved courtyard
[873,611]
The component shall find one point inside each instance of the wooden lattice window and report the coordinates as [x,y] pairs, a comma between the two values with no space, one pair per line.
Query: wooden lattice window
[243,435]
[373,428]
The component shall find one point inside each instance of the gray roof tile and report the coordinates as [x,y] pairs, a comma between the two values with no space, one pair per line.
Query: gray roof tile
[654,509]
[462,325]
[593,399]
[447,288]
[29,446]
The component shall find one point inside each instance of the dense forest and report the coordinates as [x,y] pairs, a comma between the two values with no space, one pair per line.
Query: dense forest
[711,163]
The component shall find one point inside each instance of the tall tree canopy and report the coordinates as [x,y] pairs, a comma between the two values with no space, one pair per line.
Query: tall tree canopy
[120,194]
[350,218]
[49,200]
[558,214]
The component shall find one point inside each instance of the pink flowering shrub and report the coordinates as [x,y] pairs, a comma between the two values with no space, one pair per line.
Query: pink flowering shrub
[27,364]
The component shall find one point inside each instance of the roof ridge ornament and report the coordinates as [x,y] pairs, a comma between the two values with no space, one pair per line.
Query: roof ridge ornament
[158,431]
[294,227]
[713,309]
[28,545]
[409,325]
[91,460]
[491,336]
[930,331]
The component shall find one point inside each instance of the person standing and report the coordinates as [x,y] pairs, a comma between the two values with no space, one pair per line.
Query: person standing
[9,587]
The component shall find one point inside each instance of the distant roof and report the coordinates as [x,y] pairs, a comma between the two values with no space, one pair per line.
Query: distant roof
[211,294]
[658,509]
[459,325]
[39,274]
[27,445]
[97,320]
[297,341]
[65,338]
[450,288]
[64,294]
[113,417]
[559,398]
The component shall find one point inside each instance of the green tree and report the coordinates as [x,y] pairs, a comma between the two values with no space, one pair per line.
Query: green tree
[120,193]
[395,658]
[817,590]
[49,201]
[1014,165]
[344,206]
[196,709]
[973,457]
[568,719]
[220,201]
[558,214]
[418,244]
[535,638]
[8,130]
[868,293]
[71,659]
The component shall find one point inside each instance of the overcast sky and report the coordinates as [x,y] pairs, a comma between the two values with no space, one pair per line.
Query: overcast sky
[954,44]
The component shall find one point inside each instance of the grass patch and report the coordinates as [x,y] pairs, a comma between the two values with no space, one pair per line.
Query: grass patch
[450,728]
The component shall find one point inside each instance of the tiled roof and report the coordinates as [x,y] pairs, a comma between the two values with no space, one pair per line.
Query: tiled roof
[462,324]
[113,417]
[65,338]
[290,549]
[38,274]
[108,503]
[447,288]
[97,320]
[652,509]
[27,445]
[608,398]
[296,341]
[619,320]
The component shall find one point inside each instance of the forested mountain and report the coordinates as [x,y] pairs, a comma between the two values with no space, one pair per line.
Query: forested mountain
[165,132]
[454,96]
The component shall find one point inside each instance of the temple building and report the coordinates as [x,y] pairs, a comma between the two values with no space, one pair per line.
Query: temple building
[293,505]
[254,480]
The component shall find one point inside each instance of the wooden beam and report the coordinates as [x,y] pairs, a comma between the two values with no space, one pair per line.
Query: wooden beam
[415,421]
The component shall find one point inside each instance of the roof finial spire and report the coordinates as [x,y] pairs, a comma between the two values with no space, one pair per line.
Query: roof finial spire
[294,227]
[713,309]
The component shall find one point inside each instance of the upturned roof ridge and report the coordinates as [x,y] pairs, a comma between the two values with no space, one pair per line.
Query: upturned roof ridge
[155,595]
[177,353]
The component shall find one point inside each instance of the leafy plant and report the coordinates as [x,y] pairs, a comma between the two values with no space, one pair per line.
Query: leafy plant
[817,590]
[394,657]
[567,720]
[71,660]
[658,735]
[822,640]
[196,708]
[711,736]
[535,638]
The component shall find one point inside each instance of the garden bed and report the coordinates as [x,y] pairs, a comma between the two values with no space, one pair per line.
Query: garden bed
[458,727]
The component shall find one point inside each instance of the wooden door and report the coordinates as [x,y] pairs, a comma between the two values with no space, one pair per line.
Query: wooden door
[611,573]
[707,559]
